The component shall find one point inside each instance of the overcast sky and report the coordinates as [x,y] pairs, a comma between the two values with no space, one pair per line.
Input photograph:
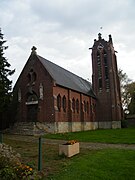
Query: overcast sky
[63,31]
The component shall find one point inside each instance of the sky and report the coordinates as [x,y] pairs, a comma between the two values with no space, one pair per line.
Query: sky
[64,30]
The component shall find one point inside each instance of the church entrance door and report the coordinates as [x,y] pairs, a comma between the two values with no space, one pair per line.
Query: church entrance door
[32,113]
[32,107]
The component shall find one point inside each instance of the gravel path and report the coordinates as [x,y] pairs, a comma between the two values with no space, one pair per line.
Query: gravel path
[87,145]
[104,145]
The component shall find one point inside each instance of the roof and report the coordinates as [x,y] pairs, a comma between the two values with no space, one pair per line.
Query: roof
[67,79]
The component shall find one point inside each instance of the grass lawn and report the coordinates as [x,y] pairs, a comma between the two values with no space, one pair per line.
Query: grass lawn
[120,136]
[51,162]
[106,164]
[89,164]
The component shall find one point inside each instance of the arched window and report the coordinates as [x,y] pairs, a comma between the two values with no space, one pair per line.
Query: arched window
[99,70]
[31,76]
[73,105]
[106,65]
[99,64]
[59,102]
[34,76]
[77,106]
[106,70]
[64,103]
[85,106]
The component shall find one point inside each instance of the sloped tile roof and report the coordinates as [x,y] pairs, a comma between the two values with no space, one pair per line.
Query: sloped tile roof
[67,79]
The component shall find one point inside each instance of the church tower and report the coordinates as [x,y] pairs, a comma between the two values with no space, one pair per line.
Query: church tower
[106,84]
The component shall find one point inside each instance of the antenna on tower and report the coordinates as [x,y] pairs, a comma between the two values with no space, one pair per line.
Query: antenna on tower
[101,27]
[100,33]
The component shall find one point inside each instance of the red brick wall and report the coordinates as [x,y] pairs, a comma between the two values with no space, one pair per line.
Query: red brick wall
[71,114]
[60,115]
[47,107]
[108,106]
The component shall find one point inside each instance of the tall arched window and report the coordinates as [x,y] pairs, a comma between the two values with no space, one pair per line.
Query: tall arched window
[34,76]
[73,105]
[85,106]
[106,69]
[64,103]
[77,106]
[59,102]
[99,70]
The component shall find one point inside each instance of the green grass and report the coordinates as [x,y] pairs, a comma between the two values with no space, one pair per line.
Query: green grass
[106,164]
[121,136]
[89,164]
[51,162]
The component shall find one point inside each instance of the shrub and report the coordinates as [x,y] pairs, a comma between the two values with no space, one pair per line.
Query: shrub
[8,156]
[8,159]
[11,166]
[7,173]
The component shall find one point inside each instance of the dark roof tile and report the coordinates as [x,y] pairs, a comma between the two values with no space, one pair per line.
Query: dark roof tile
[67,79]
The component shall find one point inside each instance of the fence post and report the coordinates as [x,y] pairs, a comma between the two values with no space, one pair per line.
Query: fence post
[40,154]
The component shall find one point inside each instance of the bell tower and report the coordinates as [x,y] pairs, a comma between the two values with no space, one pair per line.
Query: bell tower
[106,84]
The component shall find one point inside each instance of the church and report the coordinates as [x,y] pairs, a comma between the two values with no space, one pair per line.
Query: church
[49,99]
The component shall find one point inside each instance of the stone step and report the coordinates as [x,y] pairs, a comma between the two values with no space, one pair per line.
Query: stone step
[24,128]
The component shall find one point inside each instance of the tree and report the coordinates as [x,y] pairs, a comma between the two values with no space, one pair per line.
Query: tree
[125,96]
[5,83]
[131,90]
[127,91]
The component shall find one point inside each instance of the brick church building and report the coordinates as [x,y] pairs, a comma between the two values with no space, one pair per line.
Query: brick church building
[48,98]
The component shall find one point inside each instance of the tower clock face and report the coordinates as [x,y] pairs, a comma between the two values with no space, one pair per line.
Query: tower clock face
[100,46]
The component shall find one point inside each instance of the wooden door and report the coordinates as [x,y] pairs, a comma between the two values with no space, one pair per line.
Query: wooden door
[32,113]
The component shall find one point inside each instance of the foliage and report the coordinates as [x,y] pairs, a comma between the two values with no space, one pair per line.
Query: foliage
[7,173]
[126,135]
[8,159]
[11,166]
[8,156]
[125,94]
[51,161]
[24,172]
[131,90]
[5,83]
[71,142]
